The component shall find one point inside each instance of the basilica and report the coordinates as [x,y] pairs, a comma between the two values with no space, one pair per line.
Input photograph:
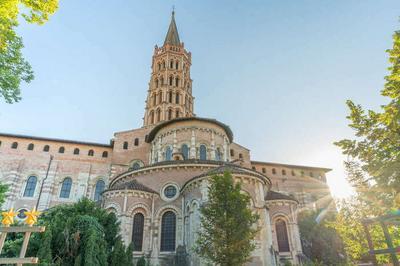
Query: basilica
[155,178]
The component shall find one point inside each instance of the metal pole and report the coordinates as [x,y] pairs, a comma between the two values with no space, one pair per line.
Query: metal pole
[44,179]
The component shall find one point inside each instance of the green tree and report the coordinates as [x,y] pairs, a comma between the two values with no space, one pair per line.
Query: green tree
[3,190]
[76,234]
[373,168]
[321,243]
[228,226]
[13,67]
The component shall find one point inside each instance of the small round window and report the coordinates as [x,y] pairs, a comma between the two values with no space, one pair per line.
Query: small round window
[170,192]
[21,214]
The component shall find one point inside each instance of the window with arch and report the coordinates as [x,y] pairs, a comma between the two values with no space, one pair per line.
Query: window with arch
[125,145]
[152,117]
[156,83]
[170,96]
[135,165]
[76,151]
[14,145]
[100,185]
[203,152]
[137,231]
[46,148]
[168,231]
[160,97]
[283,172]
[61,150]
[232,152]
[171,80]
[185,151]
[154,99]
[30,147]
[273,171]
[136,142]
[158,115]
[163,63]
[169,114]
[66,188]
[177,98]
[218,154]
[282,236]
[176,81]
[176,64]
[90,153]
[168,153]
[264,170]
[171,64]
[159,66]
[240,156]
[105,154]
[30,186]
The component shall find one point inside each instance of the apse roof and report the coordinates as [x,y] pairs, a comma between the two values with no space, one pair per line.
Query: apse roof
[132,185]
[154,131]
[273,195]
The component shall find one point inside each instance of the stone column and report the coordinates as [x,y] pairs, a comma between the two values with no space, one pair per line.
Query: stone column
[226,150]
[193,146]
[212,148]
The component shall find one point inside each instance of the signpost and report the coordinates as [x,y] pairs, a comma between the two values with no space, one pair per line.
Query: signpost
[389,219]
[7,220]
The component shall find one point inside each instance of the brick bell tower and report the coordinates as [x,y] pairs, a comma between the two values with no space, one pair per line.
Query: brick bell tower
[170,88]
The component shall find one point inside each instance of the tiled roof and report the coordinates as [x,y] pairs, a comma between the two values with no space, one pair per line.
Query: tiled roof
[273,195]
[292,166]
[132,185]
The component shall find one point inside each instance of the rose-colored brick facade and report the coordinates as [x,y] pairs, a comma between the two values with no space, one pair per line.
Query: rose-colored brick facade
[160,171]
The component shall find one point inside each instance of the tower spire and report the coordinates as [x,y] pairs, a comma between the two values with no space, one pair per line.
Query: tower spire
[172,37]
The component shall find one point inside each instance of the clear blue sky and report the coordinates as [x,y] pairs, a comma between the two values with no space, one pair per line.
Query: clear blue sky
[277,72]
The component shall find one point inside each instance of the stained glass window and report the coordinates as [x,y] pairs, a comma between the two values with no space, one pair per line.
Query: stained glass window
[203,152]
[30,186]
[66,188]
[282,236]
[185,151]
[137,232]
[168,231]
[100,185]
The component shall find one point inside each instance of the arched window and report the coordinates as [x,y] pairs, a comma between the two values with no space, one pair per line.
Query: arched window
[176,64]
[46,148]
[163,63]
[105,154]
[135,166]
[177,114]
[158,115]
[30,186]
[100,185]
[169,114]
[160,97]
[154,99]
[218,154]
[232,152]
[66,188]
[185,151]
[170,80]
[156,83]
[264,170]
[61,150]
[273,171]
[177,98]
[152,117]
[283,172]
[171,64]
[168,231]
[168,154]
[176,81]
[170,96]
[137,231]
[282,236]
[76,151]
[14,145]
[30,147]
[159,66]
[125,145]
[203,152]
[136,142]
[90,153]
[240,156]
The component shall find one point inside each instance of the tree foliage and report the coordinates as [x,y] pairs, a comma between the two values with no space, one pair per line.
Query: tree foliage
[321,243]
[228,226]
[13,67]
[373,168]
[3,190]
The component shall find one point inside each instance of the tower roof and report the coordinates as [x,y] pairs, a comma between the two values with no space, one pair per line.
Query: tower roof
[172,37]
